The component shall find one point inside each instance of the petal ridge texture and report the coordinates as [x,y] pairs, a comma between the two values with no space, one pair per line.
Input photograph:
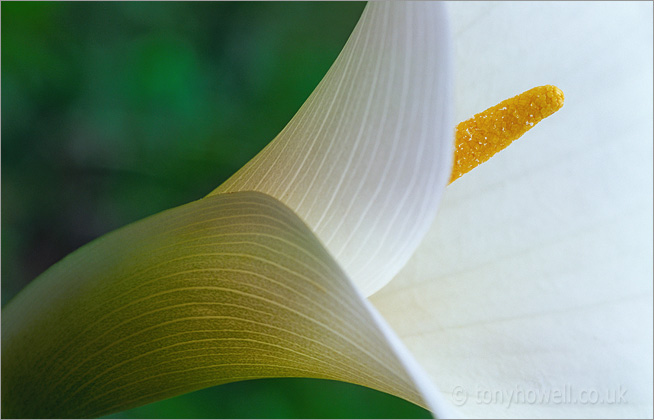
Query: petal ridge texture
[226,288]
[366,158]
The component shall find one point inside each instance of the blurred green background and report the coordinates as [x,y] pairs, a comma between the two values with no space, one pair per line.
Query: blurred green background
[115,111]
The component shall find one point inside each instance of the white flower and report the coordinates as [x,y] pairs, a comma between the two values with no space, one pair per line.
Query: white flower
[529,296]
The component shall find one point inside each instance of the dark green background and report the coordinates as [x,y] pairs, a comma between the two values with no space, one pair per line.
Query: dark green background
[115,111]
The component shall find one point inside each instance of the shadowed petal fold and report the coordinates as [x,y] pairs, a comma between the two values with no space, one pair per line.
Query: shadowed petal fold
[227,288]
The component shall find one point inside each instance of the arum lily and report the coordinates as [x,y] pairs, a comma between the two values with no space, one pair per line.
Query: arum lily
[534,278]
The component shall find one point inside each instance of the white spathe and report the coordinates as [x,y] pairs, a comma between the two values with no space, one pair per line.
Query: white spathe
[531,295]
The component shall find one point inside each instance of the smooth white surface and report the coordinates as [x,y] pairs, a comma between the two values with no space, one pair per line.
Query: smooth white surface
[537,275]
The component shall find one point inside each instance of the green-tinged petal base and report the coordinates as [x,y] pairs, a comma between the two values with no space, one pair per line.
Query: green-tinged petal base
[223,289]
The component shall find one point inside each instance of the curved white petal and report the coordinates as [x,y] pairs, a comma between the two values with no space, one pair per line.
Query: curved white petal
[536,277]
[366,158]
[363,163]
